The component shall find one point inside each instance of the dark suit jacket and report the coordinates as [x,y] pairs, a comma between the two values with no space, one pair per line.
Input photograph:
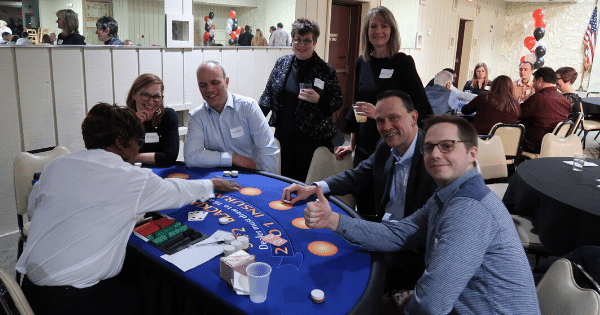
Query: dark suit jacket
[376,173]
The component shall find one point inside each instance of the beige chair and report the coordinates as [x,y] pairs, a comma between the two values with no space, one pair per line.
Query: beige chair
[12,299]
[558,293]
[41,32]
[491,163]
[553,146]
[589,124]
[512,140]
[32,35]
[324,164]
[529,237]
[25,166]
[563,129]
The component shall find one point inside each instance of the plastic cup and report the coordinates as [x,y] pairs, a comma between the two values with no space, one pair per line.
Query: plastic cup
[258,281]
[578,162]
[359,118]
[305,86]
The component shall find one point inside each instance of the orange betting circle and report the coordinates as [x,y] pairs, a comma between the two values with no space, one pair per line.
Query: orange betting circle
[322,248]
[250,191]
[300,223]
[280,205]
[179,175]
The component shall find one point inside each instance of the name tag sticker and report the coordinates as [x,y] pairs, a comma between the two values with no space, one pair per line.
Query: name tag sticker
[386,73]
[319,83]
[237,132]
[151,137]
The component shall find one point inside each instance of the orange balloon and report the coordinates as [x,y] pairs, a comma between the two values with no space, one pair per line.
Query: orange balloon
[538,14]
[233,35]
[232,14]
[540,23]
[530,43]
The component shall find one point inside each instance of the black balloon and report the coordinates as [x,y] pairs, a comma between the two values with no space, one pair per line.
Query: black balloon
[540,51]
[234,26]
[539,33]
[211,40]
[231,42]
[235,20]
[211,15]
[206,27]
[538,63]
[236,41]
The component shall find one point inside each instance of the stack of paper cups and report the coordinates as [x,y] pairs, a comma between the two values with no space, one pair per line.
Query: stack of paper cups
[237,245]
[229,249]
[245,242]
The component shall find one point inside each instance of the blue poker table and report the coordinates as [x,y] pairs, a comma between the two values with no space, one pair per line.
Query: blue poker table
[351,277]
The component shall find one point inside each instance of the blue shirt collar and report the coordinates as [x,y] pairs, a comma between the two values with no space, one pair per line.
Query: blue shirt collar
[447,192]
[408,155]
[229,103]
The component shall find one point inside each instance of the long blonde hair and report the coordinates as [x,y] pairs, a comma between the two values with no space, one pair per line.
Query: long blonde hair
[386,16]
[485,79]
[70,21]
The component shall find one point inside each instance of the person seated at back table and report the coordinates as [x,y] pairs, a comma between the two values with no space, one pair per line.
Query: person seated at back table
[565,77]
[441,97]
[462,96]
[542,111]
[228,129]
[84,208]
[495,106]
[475,263]
[523,87]
[480,80]
[396,175]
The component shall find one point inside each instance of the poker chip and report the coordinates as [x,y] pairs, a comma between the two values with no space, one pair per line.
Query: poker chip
[245,242]
[228,250]
[226,173]
[237,245]
[234,173]
[223,221]
[317,296]
[138,164]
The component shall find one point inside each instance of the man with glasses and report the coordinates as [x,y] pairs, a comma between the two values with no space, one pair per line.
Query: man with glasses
[279,37]
[475,263]
[395,173]
[228,129]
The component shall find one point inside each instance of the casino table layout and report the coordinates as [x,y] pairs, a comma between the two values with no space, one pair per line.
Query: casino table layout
[351,277]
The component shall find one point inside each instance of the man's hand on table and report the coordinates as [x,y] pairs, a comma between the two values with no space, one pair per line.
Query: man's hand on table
[318,214]
[302,192]
[225,184]
[242,161]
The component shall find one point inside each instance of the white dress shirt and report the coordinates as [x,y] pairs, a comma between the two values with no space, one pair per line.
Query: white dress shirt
[84,208]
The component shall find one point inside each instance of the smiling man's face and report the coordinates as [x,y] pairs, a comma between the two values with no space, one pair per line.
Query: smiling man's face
[396,126]
[213,86]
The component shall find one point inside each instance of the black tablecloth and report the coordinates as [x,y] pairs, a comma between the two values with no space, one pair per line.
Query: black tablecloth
[565,204]
[591,105]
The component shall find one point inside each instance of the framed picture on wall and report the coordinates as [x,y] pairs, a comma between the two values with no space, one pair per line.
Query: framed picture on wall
[95,10]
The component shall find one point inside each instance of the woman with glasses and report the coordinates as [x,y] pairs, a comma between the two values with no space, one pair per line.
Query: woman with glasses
[302,117]
[565,77]
[380,68]
[161,138]
[69,24]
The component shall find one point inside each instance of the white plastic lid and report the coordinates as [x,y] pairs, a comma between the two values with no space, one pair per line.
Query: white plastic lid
[317,295]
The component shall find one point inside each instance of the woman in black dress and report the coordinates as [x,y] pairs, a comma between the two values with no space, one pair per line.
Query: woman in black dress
[480,80]
[68,22]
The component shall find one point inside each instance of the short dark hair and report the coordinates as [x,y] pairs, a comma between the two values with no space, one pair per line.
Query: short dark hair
[466,131]
[406,100]
[107,22]
[280,25]
[24,34]
[247,28]
[526,63]
[273,28]
[104,124]
[546,73]
[5,33]
[567,74]
[304,26]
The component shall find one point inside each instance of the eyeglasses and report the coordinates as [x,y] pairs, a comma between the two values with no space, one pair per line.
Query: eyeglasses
[140,142]
[303,41]
[146,97]
[445,146]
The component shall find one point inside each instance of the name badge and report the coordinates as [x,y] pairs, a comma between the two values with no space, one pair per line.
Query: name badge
[237,132]
[319,83]
[59,42]
[386,73]
[151,137]
[386,217]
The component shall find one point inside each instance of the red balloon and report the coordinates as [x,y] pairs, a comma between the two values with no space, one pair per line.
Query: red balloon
[232,14]
[522,59]
[530,43]
[540,23]
[233,35]
[206,36]
[206,19]
[238,30]
[212,26]
[538,14]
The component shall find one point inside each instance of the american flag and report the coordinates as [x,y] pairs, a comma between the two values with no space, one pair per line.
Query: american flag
[590,40]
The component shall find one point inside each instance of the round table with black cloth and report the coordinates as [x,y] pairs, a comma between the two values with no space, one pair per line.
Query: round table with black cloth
[565,204]
[351,277]
[591,105]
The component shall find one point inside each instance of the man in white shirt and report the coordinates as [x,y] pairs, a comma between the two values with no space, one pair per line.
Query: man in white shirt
[228,129]
[279,37]
[84,208]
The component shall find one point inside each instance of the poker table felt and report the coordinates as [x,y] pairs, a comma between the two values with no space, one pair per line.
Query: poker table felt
[351,278]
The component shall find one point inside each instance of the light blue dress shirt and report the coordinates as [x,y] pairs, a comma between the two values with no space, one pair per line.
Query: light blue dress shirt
[240,128]
[394,210]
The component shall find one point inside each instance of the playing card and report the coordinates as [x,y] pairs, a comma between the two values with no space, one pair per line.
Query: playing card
[197,215]
[273,239]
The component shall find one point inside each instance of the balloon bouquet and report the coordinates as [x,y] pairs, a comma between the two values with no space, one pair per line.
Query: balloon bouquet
[232,28]
[209,35]
[534,43]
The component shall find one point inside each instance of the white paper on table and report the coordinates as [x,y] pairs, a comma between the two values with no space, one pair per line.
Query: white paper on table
[193,256]
[240,284]
[585,164]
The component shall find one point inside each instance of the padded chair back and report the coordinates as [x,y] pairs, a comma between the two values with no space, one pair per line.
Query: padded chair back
[12,299]
[324,164]
[577,121]
[26,165]
[512,139]
[491,158]
[558,293]
[563,129]
[553,146]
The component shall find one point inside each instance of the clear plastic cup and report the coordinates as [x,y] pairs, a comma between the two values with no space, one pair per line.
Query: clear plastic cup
[359,118]
[578,162]
[304,86]
[258,280]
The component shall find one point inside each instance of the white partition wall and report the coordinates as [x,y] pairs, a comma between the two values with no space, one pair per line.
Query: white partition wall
[46,92]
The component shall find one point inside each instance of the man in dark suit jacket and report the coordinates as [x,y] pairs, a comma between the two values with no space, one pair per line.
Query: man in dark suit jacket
[396,174]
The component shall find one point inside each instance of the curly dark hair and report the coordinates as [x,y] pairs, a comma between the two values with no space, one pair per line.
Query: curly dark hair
[107,22]
[105,123]
[304,26]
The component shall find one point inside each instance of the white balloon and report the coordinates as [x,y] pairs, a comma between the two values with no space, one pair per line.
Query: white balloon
[209,22]
[228,29]
[540,43]
[529,25]
[530,57]
[229,22]
[211,32]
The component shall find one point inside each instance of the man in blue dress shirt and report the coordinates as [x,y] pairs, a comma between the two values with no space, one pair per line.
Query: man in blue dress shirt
[475,263]
[228,129]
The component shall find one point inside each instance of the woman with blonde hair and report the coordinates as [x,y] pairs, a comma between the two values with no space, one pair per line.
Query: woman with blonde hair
[480,79]
[68,22]
[161,139]
[259,39]
[495,106]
